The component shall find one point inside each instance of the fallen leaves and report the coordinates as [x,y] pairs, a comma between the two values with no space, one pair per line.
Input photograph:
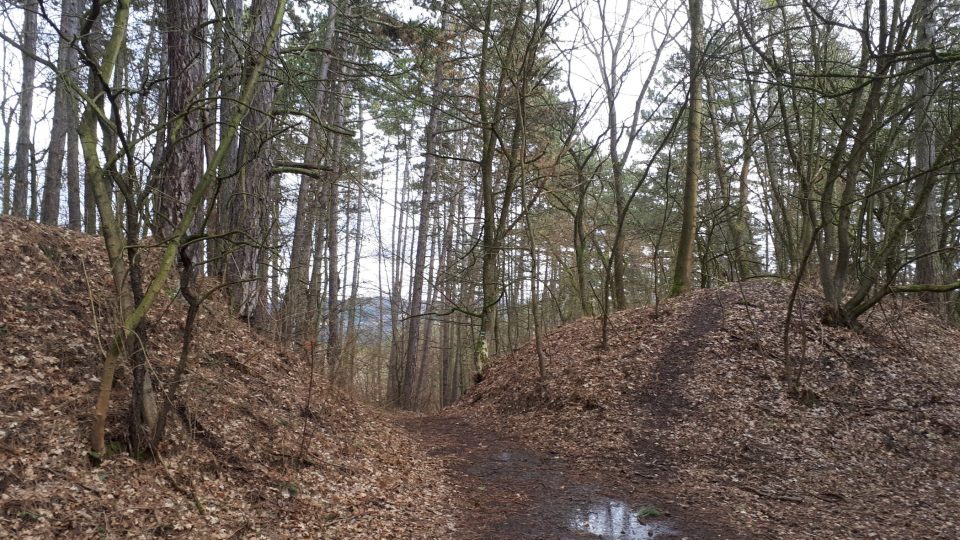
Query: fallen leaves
[231,466]
[690,399]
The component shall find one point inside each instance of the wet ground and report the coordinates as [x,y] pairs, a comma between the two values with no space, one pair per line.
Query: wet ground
[508,491]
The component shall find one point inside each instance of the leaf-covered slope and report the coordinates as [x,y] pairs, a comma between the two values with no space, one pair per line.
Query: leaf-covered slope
[230,467]
[687,405]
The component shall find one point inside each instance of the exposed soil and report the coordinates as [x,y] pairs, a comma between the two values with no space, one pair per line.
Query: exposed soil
[504,489]
[663,392]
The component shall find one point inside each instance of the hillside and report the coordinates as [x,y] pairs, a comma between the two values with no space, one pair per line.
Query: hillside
[231,464]
[684,411]
[686,406]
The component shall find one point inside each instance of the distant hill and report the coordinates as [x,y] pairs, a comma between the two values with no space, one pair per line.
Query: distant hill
[688,405]
[368,313]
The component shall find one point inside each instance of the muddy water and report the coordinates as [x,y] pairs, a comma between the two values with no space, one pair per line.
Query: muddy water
[508,491]
[616,520]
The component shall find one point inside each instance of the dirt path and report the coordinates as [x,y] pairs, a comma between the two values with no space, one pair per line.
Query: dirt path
[663,394]
[506,490]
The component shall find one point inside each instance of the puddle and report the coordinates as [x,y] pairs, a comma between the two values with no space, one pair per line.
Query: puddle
[616,520]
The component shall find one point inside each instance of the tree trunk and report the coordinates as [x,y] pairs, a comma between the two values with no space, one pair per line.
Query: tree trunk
[316,292]
[183,159]
[229,92]
[407,397]
[489,281]
[354,313]
[683,265]
[351,356]
[394,365]
[93,45]
[34,183]
[422,374]
[305,221]
[334,340]
[616,250]
[64,115]
[580,246]
[246,195]
[21,166]
[927,235]
[7,171]
[75,217]
[446,277]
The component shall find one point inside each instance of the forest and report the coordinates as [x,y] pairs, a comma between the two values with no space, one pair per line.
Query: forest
[480,269]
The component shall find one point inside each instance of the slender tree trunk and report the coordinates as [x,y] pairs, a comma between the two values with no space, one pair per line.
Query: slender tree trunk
[6,115]
[89,208]
[34,183]
[316,292]
[334,340]
[381,323]
[75,215]
[93,46]
[268,262]
[407,397]
[534,287]
[394,365]
[64,113]
[352,322]
[352,312]
[683,265]
[183,158]
[724,217]
[489,285]
[302,244]
[114,240]
[580,247]
[927,238]
[229,91]
[616,250]
[447,382]
[419,393]
[742,236]
[7,171]
[21,166]
[446,367]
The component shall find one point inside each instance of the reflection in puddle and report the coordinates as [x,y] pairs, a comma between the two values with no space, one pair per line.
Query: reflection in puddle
[615,520]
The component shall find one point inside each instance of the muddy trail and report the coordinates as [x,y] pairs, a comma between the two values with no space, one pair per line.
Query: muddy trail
[506,490]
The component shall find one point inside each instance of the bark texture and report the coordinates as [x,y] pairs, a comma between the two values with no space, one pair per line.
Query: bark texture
[24,156]
[64,122]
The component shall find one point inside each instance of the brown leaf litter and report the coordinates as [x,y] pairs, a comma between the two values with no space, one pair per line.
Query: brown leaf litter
[687,407]
[231,464]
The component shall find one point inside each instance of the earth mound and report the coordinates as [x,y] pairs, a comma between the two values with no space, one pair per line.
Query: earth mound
[688,405]
[246,456]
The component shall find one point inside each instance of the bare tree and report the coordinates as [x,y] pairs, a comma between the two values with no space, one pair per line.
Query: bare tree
[64,123]
[183,158]
[413,360]
[243,198]
[928,231]
[24,156]
[683,265]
